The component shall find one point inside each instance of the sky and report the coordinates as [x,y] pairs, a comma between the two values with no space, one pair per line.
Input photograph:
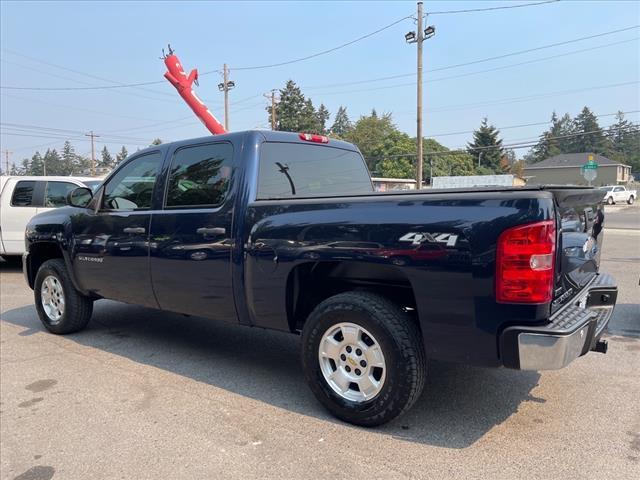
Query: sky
[81,44]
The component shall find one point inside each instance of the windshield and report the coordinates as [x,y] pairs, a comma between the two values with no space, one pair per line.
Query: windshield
[605,188]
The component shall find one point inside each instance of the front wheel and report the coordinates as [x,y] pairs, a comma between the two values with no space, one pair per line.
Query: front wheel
[363,358]
[61,308]
[610,201]
[631,200]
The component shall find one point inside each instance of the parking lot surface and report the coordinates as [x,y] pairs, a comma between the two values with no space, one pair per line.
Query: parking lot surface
[144,394]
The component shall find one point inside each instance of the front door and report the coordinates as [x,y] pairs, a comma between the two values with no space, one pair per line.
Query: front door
[111,252]
[191,239]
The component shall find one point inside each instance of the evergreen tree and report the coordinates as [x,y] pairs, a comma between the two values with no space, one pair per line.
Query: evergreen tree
[289,109]
[68,161]
[323,116]
[106,160]
[52,162]
[36,166]
[486,147]
[592,138]
[121,155]
[341,124]
[625,143]
[309,119]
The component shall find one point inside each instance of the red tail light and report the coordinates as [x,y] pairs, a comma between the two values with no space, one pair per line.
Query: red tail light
[312,137]
[524,263]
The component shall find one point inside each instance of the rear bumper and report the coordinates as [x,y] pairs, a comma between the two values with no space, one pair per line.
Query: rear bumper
[572,331]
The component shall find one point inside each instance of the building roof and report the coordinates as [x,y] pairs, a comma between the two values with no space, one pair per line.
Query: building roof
[572,160]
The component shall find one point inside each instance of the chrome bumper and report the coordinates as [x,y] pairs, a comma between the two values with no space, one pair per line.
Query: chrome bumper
[572,331]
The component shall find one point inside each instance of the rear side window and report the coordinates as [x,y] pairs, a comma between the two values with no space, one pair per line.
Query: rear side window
[23,194]
[55,194]
[200,176]
[289,170]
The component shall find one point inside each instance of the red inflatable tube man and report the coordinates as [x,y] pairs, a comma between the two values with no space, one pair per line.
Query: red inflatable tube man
[183,83]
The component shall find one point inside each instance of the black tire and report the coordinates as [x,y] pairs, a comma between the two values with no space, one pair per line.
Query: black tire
[77,308]
[610,201]
[631,200]
[400,341]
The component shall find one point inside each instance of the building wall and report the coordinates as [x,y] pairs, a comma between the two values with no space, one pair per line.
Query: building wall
[607,175]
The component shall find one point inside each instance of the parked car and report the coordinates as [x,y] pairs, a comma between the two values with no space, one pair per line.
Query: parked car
[284,231]
[23,197]
[618,194]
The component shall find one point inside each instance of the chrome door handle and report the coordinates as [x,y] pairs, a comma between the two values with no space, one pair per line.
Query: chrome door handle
[134,230]
[211,231]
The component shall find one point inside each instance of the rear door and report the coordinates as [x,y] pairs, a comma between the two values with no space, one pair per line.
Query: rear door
[190,239]
[112,243]
[20,202]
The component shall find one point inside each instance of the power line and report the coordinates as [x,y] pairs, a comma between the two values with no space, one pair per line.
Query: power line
[523,125]
[492,8]
[473,62]
[324,52]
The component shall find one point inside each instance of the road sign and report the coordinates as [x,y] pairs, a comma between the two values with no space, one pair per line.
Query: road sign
[590,170]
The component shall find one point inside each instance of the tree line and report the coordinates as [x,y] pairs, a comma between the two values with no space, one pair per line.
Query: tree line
[392,153]
[68,162]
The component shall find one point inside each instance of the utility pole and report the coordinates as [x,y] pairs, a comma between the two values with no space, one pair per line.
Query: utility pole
[93,152]
[272,96]
[419,109]
[6,161]
[225,86]
[418,38]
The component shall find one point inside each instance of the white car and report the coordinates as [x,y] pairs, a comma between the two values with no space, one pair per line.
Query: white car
[23,197]
[618,194]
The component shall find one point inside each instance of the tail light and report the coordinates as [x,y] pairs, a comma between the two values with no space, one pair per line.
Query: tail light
[312,137]
[525,263]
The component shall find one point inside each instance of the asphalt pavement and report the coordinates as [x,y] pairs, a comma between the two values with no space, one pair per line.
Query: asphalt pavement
[143,394]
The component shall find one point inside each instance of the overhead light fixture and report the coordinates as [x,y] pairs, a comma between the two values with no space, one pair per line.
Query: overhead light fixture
[221,87]
[410,37]
[430,31]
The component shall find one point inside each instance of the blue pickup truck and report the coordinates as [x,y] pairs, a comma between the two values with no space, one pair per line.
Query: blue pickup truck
[284,231]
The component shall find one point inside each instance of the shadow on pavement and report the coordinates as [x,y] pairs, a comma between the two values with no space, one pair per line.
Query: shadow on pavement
[459,405]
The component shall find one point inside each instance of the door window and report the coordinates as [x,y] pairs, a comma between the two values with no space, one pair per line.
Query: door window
[55,194]
[131,188]
[200,176]
[23,194]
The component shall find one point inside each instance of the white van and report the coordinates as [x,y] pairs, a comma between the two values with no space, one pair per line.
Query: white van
[23,197]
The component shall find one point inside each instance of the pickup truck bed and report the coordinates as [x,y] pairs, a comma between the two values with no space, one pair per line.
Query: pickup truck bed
[282,231]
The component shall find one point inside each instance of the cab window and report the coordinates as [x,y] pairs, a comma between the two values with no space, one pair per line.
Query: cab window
[200,176]
[131,188]
[55,194]
[23,194]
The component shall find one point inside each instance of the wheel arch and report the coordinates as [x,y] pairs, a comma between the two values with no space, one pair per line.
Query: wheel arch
[310,283]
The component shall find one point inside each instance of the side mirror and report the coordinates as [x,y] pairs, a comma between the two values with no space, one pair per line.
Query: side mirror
[79,197]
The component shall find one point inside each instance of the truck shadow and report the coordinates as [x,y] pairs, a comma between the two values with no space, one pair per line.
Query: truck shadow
[459,405]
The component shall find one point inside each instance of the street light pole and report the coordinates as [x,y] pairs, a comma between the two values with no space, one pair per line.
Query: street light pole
[417,38]
[419,98]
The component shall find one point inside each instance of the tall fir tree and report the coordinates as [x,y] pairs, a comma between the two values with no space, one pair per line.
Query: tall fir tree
[341,123]
[289,109]
[323,116]
[589,136]
[69,159]
[121,155]
[52,162]
[309,119]
[486,148]
[625,143]
[106,160]
[36,166]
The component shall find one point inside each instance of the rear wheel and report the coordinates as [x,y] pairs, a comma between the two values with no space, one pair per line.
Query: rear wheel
[610,201]
[363,358]
[631,200]
[61,308]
